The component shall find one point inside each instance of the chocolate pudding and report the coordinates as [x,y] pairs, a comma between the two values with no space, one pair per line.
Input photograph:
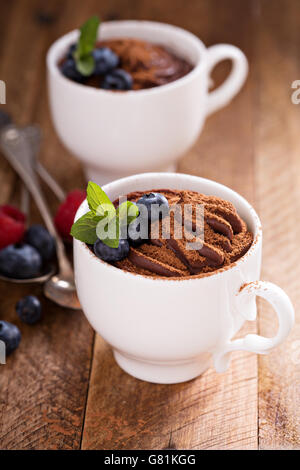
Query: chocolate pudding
[127,64]
[225,239]
[150,65]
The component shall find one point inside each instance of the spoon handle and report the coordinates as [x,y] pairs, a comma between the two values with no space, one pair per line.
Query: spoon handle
[25,200]
[34,134]
[17,148]
[35,138]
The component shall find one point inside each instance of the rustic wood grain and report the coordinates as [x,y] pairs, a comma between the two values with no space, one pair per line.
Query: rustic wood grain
[213,411]
[277,149]
[44,383]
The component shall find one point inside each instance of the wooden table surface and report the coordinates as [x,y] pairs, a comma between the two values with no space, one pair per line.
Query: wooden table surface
[62,389]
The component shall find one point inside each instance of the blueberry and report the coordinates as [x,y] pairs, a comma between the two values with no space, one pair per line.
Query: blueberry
[135,228]
[20,261]
[136,232]
[70,71]
[29,309]
[111,254]
[71,51]
[5,118]
[11,336]
[135,242]
[160,203]
[38,237]
[118,79]
[105,60]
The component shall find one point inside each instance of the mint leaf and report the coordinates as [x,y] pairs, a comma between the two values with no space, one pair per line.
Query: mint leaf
[96,197]
[112,243]
[85,63]
[103,221]
[84,229]
[127,212]
[108,231]
[88,36]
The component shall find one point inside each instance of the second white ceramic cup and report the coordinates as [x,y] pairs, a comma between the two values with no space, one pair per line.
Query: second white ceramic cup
[167,331]
[118,134]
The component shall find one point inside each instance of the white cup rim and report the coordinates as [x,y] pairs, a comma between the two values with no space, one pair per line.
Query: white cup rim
[222,272]
[55,52]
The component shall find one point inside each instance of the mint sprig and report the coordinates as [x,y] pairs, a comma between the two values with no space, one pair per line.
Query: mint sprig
[102,210]
[127,212]
[111,240]
[84,229]
[97,199]
[84,59]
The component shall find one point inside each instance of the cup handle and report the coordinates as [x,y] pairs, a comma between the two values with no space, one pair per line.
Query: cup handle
[255,343]
[234,82]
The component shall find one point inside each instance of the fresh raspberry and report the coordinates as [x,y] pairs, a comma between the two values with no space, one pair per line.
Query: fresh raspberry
[13,212]
[12,225]
[66,212]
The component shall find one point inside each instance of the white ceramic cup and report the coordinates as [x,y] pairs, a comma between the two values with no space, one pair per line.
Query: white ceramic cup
[164,330]
[118,134]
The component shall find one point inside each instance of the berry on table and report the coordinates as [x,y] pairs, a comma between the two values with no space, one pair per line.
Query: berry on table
[105,60]
[13,212]
[118,79]
[156,204]
[10,335]
[109,254]
[5,119]
[12,225]
[39,237]
[66,212]
[20,261]
[29,309]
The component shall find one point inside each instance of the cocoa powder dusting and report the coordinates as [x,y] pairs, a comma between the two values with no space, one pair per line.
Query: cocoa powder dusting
[226,239]
[149,64]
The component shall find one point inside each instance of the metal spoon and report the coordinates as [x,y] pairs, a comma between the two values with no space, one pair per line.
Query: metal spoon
[17,148]
[34,135]
[49,270]
[33,132]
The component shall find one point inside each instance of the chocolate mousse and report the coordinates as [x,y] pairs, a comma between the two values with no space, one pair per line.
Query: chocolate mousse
[225,238]
[126,64]
[149,65]
[119,64]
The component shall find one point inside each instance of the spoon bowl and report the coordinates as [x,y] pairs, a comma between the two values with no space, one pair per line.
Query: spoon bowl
[62,291]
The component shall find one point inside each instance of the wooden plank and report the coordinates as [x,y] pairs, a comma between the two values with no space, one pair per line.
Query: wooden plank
[213,411]
[44,383]
[277,149]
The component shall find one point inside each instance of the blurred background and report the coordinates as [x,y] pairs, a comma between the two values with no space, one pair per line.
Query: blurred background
[29,27]
[53,396]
